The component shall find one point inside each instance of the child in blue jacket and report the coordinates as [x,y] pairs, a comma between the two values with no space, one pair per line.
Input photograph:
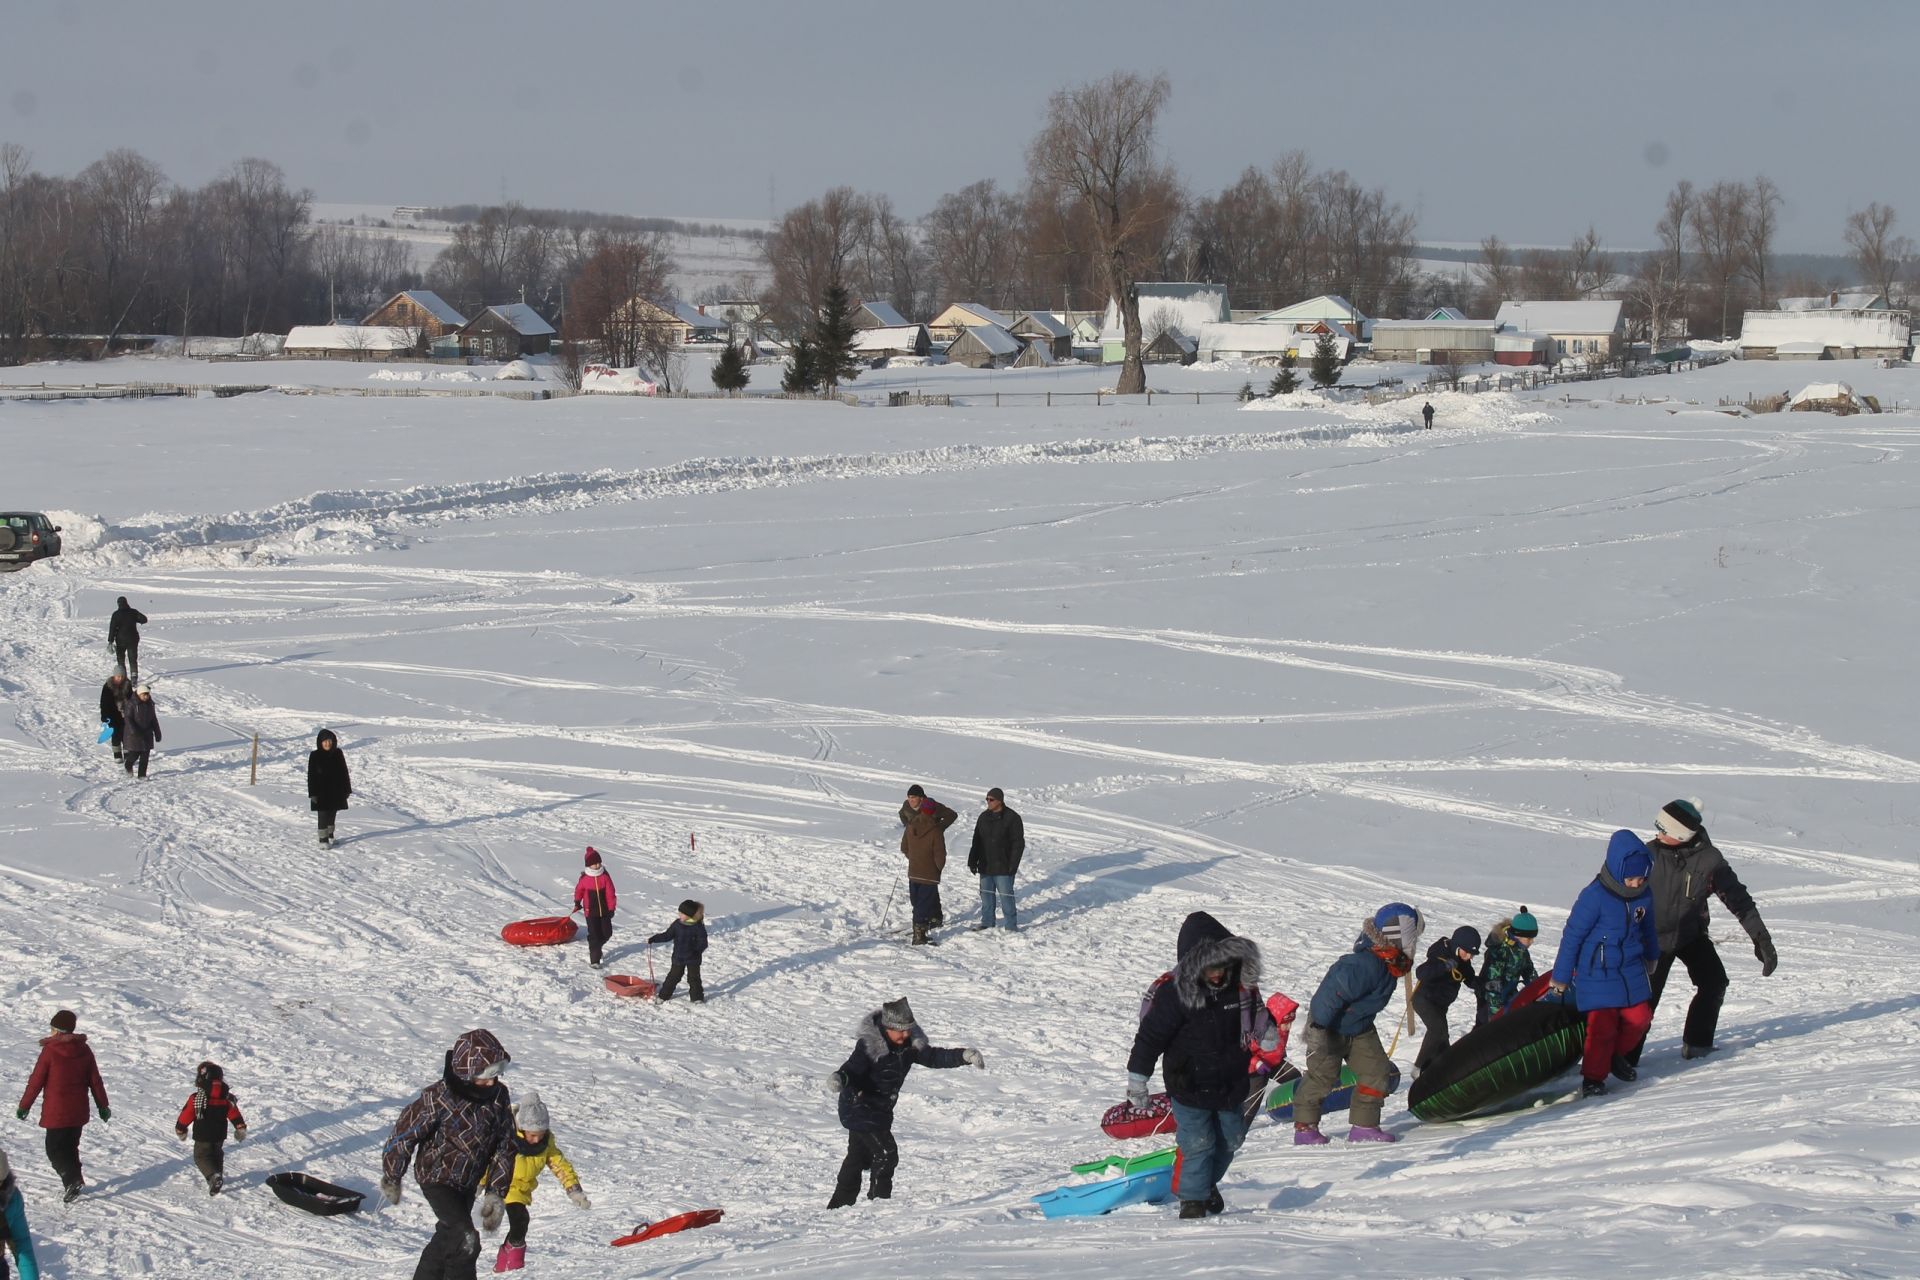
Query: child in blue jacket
[1607,954]
[1349,998]
[689,937]
[13,1226]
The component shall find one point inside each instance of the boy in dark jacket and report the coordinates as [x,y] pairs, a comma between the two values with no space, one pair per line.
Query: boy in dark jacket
[14,1236]
[329,782]
[210,1109]
[688,933]
[594,894]
[1448,967]
[1687,870]
[1202,1027]
[113,706]
[889,1044]
[461,1126]
[66,1073]
[1357,987]
[1509,965]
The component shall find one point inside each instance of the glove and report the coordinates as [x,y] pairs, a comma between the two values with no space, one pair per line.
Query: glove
[1763,951]
[973,1059]
[1136,1091]
[106,1113]
[390,1190]
[579,1196]
[492,1210]
[836,1082]
[20,1113]
[179,1131]
[239,1133]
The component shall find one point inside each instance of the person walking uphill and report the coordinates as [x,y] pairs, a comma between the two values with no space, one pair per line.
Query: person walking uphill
[209,1110]
[141,731]
[123,637]
[458,1135]
[1201,1027]
[1357,987]
[1509,965]
[1426,414]
[114,695]
[1687,869]
[329,781]
[1448,967]
[593,893]
[924,842]
[888,1044]
[1607,954]
[688,934]
[999,840]
[14,1236]
[65,1073]
[535,1150]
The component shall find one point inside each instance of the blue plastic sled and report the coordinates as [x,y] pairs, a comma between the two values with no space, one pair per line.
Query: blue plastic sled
[1280,1097]
[106,733]
[1151,1186]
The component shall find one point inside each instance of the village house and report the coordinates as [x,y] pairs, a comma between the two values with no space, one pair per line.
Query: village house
[421,310]
[349,342]
[505,332]
[1044,328]
[946,327]
[1329,309]
[893,340]
[1594,330]
[983,346]
[1861,334]
[682,322]
[877,315]
[1432,341]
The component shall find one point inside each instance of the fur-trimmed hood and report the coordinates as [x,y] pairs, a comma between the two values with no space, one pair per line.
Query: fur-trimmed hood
[1204,943]
[873,1037]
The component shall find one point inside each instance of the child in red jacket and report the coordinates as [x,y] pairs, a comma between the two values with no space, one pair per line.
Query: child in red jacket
[593,894]
[209,1110]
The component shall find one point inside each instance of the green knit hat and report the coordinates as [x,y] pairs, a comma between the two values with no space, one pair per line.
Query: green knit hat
[1523,924]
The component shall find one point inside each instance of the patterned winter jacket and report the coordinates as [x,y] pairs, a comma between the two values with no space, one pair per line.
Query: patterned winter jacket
[462,1131]
[1509,967]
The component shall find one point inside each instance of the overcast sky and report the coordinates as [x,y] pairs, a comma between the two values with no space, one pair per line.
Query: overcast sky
[1525,120]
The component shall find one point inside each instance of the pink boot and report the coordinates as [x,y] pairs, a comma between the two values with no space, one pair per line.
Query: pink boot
[512,1257]
[1368,1133]
[1306,1135]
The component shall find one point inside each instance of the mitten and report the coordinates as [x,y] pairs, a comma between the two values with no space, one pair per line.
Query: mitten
[1763,952]
[579,1196]
[106,1113]
[1136,1091]
[973,1059]
[179,1131]
[20,1114]
[239,1133]
[390,1188]
[835,1082]
[492,1210]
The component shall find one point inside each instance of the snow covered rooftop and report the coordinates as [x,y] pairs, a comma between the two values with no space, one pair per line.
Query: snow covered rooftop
[1045,321]
[524,319]
[1243,337]
[1780,329]
[895,337]
[692,315]
[348,337]
[434,305]
[994,338]
[883,314]
[960,311]
[1852,300]
[1328,306]
[1584,316]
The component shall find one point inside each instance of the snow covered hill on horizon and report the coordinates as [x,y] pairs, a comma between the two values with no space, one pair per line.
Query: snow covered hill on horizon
[1282,666]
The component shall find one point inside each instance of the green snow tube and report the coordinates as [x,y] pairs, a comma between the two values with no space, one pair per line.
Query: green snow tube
[1520,1050]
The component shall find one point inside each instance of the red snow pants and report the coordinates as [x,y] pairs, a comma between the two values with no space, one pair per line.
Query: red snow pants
[1613,1033]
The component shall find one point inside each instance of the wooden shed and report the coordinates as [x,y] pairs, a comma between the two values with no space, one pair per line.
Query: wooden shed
[506,332]
[419,309]
[983,346]
[1041,326]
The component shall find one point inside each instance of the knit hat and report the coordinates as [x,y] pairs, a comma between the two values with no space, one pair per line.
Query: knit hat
[692,910]
[207,1073]
[593,856]
[1523,925]
[1680,819]
[1466,938]
[897,1015]
[145,689]
[916,790]
[995,793]
[530,1113]
[64,1020]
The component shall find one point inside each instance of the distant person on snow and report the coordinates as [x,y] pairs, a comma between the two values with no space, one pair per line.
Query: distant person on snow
[1607,953]
[1357,987]
[999,840]
[1509,965]
[1426,413]
[535,1150]
[1201,1022]
[210,1109]
[593,894]
[123,637]
[329,782]
[1448,967]
[1687,869]
[924,844]
[889,1044]
[114,696]
[66,1073]
[461,1126]
[14,1235]
[688,934]
[140,732]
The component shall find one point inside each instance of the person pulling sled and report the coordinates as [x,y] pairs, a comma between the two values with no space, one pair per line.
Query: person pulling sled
[1341,1025]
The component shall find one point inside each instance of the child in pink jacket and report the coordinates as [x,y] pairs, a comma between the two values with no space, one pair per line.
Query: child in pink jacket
[593,894]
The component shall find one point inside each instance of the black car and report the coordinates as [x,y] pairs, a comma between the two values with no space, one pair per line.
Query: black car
[26,536]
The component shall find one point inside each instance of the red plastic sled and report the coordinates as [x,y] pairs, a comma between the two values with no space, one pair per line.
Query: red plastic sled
[622,984]
[667,1226]
[545,932]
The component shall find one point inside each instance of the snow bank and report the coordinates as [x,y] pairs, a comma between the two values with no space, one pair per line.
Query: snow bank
[515,371]
[608,380]
[1498,411]
[1824,392]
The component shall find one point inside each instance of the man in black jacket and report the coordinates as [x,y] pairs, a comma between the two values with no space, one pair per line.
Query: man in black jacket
[1687,868]
[999,838]
[123,637]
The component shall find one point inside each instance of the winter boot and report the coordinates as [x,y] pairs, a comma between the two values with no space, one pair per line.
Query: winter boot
[1689,1052]
[1624,1070]
[72,1193]
[1370,1133]
[919,935]
[1593,1088]
[214,1184]
[1308,1135]
[1215,1204]
[324,837]
[1193,1208]
[512,1257]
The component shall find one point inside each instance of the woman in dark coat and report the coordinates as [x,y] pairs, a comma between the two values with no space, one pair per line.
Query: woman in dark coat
[328,782]
[140,732]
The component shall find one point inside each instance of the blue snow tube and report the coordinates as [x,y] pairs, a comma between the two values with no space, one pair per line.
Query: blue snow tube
[1520,1050]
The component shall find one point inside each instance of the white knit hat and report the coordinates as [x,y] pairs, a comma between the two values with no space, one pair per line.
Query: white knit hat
[530,1113]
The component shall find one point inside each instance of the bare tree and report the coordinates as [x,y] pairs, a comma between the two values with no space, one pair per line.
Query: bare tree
[973,239]
[1098,146]
[1499,277]
[618,301]
[1720,240]
[1665,276]
[1882,255]
[1590,268]
[1762,221]
[814,247]
[122,190]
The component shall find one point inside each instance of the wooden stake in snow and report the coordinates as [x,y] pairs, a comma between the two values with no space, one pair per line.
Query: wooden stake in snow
[253,773]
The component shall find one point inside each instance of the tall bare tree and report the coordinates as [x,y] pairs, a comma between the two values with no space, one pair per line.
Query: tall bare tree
[1762,221]
[1720,240]
[1499,277]
[1098,147]
[973,238]
[815,246]
[618,300]
[1882,254]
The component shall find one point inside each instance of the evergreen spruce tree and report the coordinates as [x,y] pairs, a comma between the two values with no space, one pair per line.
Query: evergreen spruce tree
[1286,381]
[1325,370]
[834,361]
[1246,392]
[803,372]
[730,370]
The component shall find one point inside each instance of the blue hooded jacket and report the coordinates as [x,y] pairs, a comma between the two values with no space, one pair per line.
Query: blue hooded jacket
[1610,939]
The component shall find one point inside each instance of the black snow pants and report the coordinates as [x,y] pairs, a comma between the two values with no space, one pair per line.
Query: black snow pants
[454,1251]
[1437,1039]
[599,929]
[519,1218]
[694,990]
[63,1153]
[1709,977]
[210,1158]
[866,1151]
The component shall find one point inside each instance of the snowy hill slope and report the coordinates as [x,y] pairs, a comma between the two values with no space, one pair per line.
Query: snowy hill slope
[1277,668]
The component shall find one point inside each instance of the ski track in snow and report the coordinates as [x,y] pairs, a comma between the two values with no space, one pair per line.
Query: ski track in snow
[498,719]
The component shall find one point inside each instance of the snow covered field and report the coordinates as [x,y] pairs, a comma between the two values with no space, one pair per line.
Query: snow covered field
[1283,666]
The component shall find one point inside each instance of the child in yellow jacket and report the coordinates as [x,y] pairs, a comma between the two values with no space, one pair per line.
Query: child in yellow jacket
[534,1149]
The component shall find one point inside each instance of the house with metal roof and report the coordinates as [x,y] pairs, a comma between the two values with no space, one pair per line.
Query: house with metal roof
[1329,309]
[505,332]
[421,309]
[1586,327]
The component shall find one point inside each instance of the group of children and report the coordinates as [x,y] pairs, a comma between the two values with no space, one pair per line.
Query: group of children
[1449,967]
[595,896]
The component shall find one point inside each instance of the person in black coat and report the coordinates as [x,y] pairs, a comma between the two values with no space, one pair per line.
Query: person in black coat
[1448,967]
[688,934]
[999,839]
[889,1044]
[1201,1025]
[1426,414]
[123,637]
[114,696]
[140,731]
[328,781]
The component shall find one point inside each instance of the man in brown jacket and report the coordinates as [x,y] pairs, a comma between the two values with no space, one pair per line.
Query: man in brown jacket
[924,842]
